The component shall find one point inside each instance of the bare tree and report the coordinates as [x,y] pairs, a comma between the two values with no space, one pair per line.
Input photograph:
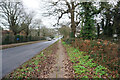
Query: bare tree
[65,31]
[70,7]
[12,12]
[27,20]
[48,32]
[37,24]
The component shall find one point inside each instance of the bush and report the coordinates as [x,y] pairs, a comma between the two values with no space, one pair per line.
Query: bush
[9,38]
[69,41]
[52,37]
[42,38]
[17,38]
[103,52]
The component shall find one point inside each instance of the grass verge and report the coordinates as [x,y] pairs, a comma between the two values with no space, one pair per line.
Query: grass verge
[33,67]
[84,66]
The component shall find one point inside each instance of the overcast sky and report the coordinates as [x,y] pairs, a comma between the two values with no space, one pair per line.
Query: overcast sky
[40,7]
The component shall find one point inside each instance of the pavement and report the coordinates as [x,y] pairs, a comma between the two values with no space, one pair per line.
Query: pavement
[59,70]
[14,57]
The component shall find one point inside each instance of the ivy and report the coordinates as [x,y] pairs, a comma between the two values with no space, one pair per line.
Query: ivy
[88,29]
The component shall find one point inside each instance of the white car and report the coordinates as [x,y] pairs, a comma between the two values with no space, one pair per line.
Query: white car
[48,38]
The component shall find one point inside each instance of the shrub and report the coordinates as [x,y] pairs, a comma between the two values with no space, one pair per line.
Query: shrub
[9,38]
[69,41]
[103,52]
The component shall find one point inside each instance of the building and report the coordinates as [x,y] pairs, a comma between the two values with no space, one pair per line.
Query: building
[4,32]
[22,33]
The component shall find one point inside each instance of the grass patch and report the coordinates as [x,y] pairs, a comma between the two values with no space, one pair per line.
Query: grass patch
[84,66]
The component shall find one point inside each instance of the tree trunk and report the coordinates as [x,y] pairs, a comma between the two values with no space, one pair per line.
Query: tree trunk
[98,30]
[27,33]
[15,33]
[73,27]
[38,33]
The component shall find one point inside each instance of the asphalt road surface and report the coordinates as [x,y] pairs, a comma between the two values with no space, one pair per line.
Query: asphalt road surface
[14,57]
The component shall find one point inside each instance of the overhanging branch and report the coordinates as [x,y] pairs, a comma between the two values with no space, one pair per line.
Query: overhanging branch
[62,13]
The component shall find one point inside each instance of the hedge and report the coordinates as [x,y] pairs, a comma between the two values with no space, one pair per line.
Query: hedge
[9,39]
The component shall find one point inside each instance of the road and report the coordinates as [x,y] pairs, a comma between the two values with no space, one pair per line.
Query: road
[14,57]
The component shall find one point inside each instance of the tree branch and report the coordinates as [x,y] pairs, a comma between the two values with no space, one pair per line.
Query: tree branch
[62,13]
[77,4]
[67,3]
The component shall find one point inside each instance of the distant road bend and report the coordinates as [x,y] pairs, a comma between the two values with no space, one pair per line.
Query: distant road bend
[14,57]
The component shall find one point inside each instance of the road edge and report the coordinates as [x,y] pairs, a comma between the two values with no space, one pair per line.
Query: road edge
[19,44]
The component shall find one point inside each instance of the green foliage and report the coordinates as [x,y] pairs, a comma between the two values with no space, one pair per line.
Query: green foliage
[70,40]
[101,51]
[71,35]
[85,77]
[88,29]
[63,43]
[7,39]
[101,70]
[82,64]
